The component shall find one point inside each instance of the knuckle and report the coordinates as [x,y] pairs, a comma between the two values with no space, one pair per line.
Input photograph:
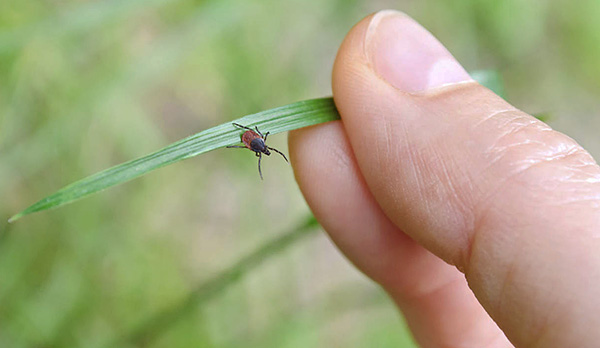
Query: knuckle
[530,163]
[531,152]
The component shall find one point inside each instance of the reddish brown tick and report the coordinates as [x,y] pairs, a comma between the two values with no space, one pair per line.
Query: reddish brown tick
[255,141]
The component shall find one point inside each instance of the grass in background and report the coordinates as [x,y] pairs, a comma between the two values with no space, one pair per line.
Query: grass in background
[78,78]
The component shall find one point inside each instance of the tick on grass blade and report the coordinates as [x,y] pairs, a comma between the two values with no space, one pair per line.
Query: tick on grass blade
[255,141]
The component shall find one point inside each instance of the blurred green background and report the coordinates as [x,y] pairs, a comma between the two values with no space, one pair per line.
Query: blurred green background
[88,84]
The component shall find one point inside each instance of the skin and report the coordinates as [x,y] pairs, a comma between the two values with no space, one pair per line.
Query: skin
[481,223]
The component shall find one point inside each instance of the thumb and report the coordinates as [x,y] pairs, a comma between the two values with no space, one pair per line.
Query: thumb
[486,187]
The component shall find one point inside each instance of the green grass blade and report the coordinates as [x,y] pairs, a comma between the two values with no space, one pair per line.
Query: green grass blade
[285,118]
[491,79]
[281,119]
[543,116]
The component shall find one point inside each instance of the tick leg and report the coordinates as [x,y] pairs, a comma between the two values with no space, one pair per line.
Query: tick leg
[239,125]
[281,153]
[259,171]
[266,135]
[236,147]
[256,127]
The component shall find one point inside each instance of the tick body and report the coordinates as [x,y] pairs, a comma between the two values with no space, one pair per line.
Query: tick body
[255,141]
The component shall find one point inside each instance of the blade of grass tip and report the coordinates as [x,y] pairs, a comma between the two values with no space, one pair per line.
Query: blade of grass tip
[543,116]
[285,118]
[493,80]
[490,79]
[160,322]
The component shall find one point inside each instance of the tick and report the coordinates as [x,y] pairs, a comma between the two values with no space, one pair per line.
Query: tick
[255,141]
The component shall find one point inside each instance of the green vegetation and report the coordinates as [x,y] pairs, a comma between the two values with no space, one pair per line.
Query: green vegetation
[202,253]
[286,118]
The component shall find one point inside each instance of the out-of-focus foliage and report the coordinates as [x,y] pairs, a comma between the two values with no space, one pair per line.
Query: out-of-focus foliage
[88,84]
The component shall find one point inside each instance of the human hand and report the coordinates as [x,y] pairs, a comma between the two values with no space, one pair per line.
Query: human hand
[429,169]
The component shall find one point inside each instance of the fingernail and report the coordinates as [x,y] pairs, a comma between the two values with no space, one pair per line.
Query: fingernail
[407,56]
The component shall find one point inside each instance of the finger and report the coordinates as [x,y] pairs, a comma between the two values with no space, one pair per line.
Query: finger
[479,183]
[438,305]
